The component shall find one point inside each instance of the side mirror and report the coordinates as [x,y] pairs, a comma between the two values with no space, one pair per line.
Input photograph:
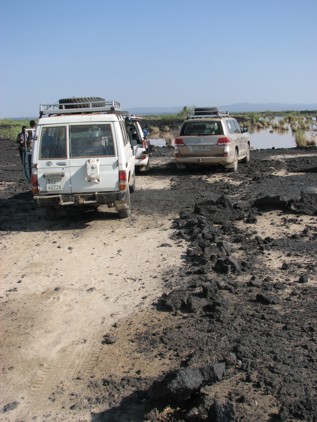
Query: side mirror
[244,129]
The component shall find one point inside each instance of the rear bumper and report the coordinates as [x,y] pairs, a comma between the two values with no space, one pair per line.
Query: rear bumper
[223,161]
[141,163]
[79,199]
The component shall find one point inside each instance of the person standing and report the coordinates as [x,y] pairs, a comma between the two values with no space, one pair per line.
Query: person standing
[22,143]
[31,135]
[29,148]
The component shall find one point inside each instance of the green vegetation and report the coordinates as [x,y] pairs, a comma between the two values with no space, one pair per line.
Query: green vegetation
[9,129]
[303,140]
[300,139]
[181,115]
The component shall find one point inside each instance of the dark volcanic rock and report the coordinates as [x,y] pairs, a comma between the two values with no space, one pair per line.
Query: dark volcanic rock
[175,300]
[180,385]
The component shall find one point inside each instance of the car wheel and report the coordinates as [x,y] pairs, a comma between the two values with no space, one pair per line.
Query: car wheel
[246,159]
[146,168]
[234,166]
[100,102]
[132,187]
[124,213]
[123,207]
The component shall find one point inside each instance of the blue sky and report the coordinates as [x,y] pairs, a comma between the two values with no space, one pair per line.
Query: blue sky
[157,53]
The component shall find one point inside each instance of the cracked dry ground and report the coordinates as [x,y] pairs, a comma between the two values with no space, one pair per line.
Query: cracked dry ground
[233,336]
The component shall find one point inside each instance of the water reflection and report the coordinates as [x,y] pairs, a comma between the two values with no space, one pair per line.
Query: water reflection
[264,139]
[157,142]
[260,138]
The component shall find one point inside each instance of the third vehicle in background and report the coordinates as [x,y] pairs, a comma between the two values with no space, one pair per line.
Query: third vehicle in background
[140,144]
[212,137]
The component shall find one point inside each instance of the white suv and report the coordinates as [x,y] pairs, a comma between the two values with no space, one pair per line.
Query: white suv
[82,156]
[212,137]
[140,144]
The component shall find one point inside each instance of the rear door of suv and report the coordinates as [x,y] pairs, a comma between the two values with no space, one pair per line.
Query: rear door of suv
[93,157]
[200,138]
[52,160]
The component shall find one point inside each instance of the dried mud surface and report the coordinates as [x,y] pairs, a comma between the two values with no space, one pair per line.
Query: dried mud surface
[233,336]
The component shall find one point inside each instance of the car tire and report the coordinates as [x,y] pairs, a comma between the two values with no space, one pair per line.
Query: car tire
[146,168]
[75,102]
[246,159]
[124,208]
[234,166]
[132,187]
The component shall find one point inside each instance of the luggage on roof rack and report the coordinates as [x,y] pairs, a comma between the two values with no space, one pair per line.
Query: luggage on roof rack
[205,110]
[80,105]
[200,112]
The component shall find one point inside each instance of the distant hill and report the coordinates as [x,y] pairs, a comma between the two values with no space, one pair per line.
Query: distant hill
[249,107]
[233,108]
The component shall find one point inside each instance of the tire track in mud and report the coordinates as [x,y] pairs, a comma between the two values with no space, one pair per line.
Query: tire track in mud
[53,385]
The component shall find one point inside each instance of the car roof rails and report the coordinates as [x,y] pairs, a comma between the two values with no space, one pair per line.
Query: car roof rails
[203,112]
[94,106]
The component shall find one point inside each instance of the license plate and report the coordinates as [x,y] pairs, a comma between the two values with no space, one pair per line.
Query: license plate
[53,185]
[200,148]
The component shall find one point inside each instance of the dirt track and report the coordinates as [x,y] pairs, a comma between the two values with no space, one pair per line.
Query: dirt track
[200,306]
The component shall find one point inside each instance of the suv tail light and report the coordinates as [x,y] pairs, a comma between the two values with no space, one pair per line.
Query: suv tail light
[179,141]
[122,180]
[223,141]
[34,183]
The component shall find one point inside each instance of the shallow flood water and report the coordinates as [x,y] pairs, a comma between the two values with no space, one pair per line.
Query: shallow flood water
[264,139]
[260,139]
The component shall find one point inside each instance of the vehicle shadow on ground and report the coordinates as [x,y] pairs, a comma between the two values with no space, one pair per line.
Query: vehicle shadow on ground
[170,169]
[131,408]
[304,170]
[19,213]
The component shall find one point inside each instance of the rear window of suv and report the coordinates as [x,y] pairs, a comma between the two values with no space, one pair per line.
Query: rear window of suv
[53,142]
[202,128]
[91,140]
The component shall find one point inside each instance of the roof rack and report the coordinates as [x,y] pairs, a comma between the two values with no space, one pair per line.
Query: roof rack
[204,116]
[80,107]
[203,112]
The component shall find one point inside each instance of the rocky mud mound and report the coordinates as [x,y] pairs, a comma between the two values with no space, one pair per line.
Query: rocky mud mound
[242,312]
[237,323]
[252,325]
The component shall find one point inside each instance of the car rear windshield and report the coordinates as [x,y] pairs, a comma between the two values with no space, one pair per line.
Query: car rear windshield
[91,140]
[202,128]
[53,142]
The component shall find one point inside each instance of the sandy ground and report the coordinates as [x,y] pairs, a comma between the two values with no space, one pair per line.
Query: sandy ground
[62,290]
